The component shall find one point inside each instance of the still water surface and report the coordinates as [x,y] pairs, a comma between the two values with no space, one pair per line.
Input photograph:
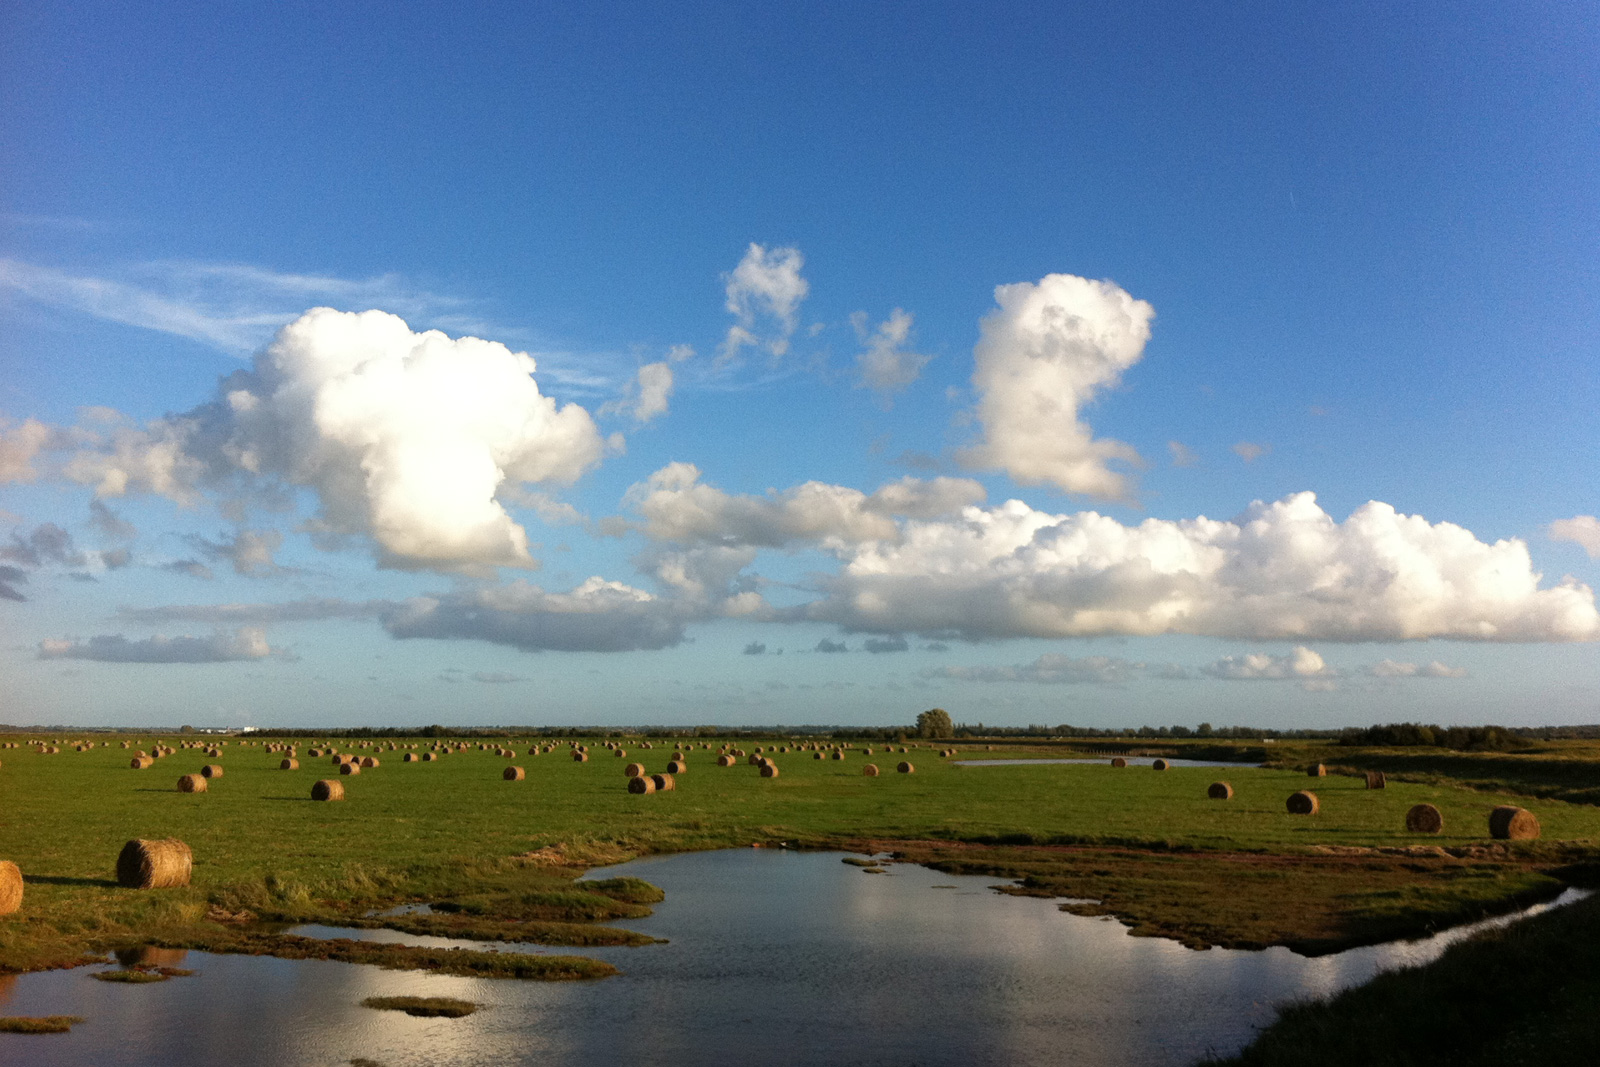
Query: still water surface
[774,958]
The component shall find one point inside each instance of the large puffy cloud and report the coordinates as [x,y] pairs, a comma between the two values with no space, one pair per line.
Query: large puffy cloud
[407,438]
[597,616]
[1284,570]
[1042,355]
[677,506]
[245,644]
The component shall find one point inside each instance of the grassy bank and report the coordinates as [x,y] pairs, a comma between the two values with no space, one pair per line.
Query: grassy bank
[1521,995]
[498,859]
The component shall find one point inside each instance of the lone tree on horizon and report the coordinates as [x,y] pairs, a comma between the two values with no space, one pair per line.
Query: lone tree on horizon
[935,723]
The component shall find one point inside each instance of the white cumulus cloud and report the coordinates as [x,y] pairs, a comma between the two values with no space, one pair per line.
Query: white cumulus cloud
[764,294]
[1043,355]
[1434,669]
[1581,530]
[886,364]
[1301,663]
[1281,571]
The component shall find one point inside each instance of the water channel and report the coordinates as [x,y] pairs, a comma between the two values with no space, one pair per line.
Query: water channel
[775,957]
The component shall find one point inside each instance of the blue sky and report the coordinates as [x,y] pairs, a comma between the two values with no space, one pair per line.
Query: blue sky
[1128,268]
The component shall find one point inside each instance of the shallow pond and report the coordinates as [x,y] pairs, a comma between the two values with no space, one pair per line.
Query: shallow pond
[775,957]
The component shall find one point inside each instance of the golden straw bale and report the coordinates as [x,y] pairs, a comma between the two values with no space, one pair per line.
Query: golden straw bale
[1118,761]
[369,761]
[620,752]
[139,763]
[350,768]
[514,774]
[1376,780]
[580,757]
[10,887]
[676,766]
[1317,770]
[212,770]
[327,789]
[816,755]
[1511,823]
[866,752]
[289,765]
[410,757]
[755,760]
[769,770]
[162,864]
[906,768]
[633,770]
[838,755]
[1160,765]
[1424,819]
[191,783]
[642,784]
[663,783]
[1219,791]
[870,770]
[726,761]
[430,757]
[1303,803]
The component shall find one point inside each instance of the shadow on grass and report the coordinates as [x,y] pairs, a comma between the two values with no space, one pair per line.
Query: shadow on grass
[61,879]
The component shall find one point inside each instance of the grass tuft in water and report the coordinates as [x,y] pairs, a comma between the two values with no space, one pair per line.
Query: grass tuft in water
[45,1024]
[424,1007]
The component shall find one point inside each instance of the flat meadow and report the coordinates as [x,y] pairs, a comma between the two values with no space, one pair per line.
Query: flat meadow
[499,858]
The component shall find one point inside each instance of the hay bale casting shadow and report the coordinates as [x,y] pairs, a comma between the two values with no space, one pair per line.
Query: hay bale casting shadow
[906,768]
[1424,819]
[1303,803]
[191,783]
[158,864]
[642,784]
[870,770]
[1510,823]
[327,789]
[514,774]
[10,887]
[289,765]
[212,770]
[1219,791]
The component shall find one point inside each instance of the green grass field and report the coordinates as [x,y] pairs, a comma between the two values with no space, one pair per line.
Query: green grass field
[1150,846]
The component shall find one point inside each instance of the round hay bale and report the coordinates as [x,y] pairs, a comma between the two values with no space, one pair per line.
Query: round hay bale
[870,770]
[1303,803]
[191,783]
[315,753]
[678,756]
[866,752]
[1376,780]
[350,768]
[756,760]
[579,757]
[1118,761]
[514,774]
[620,753]
[140,763]
[725,761]
[410,757]
[1160,765]
[642,784]
[289,765]
[327,789]
[430,757]
[816,755]
[906,768]
[163,864]
[1219,791]
[676,766]
[769,770]
[837,755]
[633,770]
[1317,770]
[1511,823]
[212,770]
[369,761]
[1424,819]
[10,887]
[663,783]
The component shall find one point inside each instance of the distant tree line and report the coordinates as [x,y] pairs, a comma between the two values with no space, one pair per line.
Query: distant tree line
[1418,735]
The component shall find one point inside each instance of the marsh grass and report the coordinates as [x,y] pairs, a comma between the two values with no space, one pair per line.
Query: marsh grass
[38,1024]
[504,864]
[424,1007]
[132,976]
